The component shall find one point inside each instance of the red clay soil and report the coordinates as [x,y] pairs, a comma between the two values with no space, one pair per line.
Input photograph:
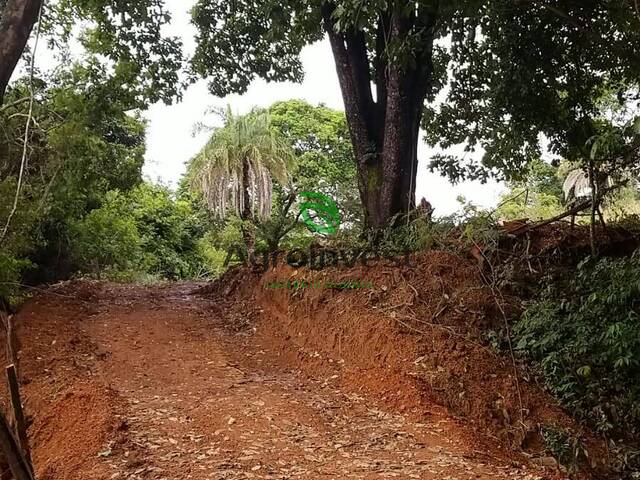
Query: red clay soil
[240,380]
[412,339]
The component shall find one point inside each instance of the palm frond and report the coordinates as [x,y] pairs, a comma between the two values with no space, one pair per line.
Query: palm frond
[217,171]
[576,185]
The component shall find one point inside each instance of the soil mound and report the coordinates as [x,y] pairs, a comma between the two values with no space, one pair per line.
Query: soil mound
[411,334]
[72,417]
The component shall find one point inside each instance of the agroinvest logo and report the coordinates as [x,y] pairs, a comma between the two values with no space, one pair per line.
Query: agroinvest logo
[321,215]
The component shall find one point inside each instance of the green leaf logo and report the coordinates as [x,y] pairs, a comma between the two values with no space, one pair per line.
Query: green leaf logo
[320,213]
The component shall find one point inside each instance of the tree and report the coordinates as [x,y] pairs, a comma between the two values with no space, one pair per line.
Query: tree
[141,67]
[524,72]
[106,238]
[404,49]
[388,43]
[319,137]
[16,22]
[235,170]
[83,138]
[82,145]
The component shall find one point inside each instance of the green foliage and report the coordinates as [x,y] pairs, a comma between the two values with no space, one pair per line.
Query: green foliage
[623,205]
[82,145]
[565,447]
[220,241]
[322,161]
[126,54]
[538,195]
[169,232]
[414,235]
[470,227]
[514,70]
[85,139]
[583,336]
[524,69]
[212,259]
[265,38]
[144,232]
[474,227]
[248,39]
[11,271]
[106,237]
[325,163]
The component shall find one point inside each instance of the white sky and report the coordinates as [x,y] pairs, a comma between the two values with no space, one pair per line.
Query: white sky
[171,143]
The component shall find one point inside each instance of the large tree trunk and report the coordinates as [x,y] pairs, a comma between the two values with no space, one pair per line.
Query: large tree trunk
[16,22]
[384,132]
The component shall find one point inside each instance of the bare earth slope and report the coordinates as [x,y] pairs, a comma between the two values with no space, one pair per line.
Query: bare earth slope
[152,383]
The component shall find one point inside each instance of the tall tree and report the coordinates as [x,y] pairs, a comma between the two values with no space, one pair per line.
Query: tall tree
[235,170]
[16,22]
[388,43]
[403,49]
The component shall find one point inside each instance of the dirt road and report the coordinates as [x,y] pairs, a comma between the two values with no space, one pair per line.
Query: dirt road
[156,383]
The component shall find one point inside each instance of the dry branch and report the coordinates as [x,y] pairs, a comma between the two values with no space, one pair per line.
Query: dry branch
[17,463]
[572,211]
[18,413]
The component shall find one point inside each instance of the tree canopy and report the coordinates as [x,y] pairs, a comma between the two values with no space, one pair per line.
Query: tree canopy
[523,70]
[124,47]
[514,71]
[325,163]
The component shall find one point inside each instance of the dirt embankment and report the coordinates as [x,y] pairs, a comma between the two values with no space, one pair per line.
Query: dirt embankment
[248,378]
[71,414]
[412,336]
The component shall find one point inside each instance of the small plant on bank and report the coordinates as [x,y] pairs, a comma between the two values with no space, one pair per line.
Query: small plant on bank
[565,447]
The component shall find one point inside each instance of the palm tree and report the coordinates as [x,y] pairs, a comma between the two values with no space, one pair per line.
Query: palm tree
[235,170]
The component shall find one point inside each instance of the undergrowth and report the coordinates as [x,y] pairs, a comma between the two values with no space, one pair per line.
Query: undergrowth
[458,233]
[565,447]
[582,334]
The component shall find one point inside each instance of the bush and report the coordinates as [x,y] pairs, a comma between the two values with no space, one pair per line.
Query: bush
[469,227]
[107,238]
[169,232]
[583,335]
[213,259]
[11,269]
[565,447]
[144,235]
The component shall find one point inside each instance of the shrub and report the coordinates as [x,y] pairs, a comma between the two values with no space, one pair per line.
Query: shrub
[11,269]
[106,238]
[212,263]
[565,447]
[583,335]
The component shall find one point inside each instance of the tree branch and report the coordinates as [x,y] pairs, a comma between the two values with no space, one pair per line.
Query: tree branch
[352,66]
[16,22]
[381,63]
[14,104]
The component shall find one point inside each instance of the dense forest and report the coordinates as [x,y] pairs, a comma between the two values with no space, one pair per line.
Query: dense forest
[541,96]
